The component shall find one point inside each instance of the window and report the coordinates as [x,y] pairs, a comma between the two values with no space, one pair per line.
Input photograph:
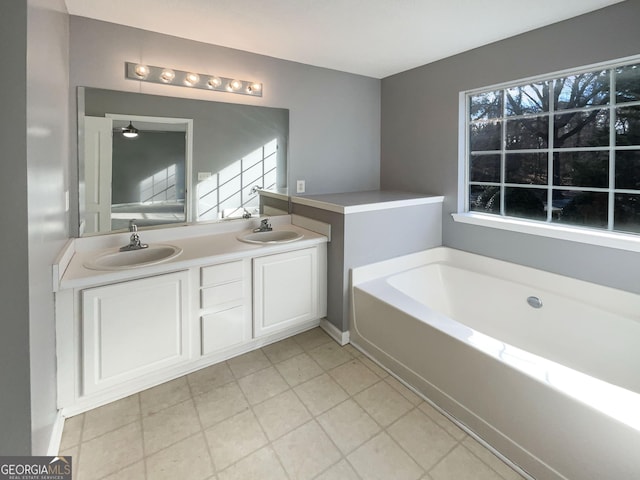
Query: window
[562,150]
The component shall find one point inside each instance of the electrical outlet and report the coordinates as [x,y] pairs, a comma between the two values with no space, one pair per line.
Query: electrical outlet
[203,175]
[300,186]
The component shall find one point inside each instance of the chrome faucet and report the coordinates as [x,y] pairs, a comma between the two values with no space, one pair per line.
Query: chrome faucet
[134,240]
[265,226]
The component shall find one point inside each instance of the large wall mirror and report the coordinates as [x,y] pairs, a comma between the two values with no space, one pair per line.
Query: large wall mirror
[185,160]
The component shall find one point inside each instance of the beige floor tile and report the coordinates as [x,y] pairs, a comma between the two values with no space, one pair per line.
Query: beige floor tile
[169,426]
[208,378]
[320,394]
[312,338]
[352,350]
[306,451]
[461,464]
[260,465]
[132,472]
[262,385]
[246,364]
[383,403]
[281,414]
[340,471]
[374,367]
[234,438]
[282,350]
[74,453]
[329,355]
[108,453]
[422,438]
[403,390]
[164,395]
[188,459]
[451,428]
[353,376]
[72,431]
[348,425]
[220,403]
[110,417]
[504,470]
[298,369]
[382,459]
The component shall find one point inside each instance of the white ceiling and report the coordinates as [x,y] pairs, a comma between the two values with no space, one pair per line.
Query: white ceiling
[376,38]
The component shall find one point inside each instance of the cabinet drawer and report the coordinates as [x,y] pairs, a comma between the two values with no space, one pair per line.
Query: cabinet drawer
[219,294]
[223,273]
[223,329]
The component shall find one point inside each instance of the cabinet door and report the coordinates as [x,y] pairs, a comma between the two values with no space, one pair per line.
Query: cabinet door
[285,290]
[133,328]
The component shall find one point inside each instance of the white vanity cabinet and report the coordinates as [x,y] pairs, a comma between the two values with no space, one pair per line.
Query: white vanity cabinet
[132,329]
[123,331]
[286,289]
[225,305]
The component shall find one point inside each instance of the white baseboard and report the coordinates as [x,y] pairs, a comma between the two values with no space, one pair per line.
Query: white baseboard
[334,332]
[56,435]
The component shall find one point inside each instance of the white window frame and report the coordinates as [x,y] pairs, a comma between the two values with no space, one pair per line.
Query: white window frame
[592,236]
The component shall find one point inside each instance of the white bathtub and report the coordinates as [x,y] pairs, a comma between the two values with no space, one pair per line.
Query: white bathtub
[554,389]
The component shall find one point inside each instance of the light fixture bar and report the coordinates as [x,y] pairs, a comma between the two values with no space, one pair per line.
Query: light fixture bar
[180,78]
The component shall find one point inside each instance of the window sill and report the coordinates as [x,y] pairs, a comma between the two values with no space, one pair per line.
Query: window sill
[620,241]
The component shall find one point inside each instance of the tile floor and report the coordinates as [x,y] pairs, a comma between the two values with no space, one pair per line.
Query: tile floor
[302,408]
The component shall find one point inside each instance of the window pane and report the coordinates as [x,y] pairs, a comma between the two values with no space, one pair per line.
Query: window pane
[628,83]
[485,105]
[577,91]
[626,216]
[582,129]
[484,198]
[581,169]
[587,209]
[525,202]
[528,99]
[528,168]
[485,136]
[484,168]
[628,169]
[528,133]
[628,126]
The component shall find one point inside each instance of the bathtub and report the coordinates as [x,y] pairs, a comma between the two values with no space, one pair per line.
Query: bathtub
[543,368]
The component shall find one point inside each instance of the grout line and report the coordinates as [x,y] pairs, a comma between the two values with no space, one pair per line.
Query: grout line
[144,450]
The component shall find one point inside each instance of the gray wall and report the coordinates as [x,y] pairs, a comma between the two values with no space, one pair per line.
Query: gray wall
[34,138]
[334,119]
[47,167]
[135,159]
[419,143]
[361,238]
[15,416]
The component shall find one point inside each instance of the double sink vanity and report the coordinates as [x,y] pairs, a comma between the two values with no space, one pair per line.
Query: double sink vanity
[199,294]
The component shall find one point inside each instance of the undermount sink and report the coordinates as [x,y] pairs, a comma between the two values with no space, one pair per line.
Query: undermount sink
[118,260]
[273,236]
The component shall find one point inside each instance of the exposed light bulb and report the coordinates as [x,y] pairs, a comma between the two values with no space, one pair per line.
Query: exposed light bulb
[253,88]
[214,82]
[141,71]
[167,75]
[235,85]
[191,79]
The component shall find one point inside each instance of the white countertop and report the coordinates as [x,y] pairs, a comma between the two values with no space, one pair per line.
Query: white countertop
[196,251]
[357,202]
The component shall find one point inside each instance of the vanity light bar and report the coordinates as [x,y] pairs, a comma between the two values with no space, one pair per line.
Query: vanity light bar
[168,76]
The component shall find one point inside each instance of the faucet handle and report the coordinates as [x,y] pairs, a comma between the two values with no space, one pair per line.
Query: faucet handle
[132,226]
